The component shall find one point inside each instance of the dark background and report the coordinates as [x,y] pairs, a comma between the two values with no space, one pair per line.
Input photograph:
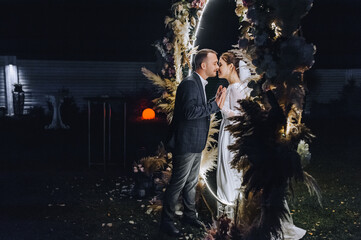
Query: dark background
[110,30]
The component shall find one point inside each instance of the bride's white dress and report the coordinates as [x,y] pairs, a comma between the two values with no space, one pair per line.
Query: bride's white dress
[229,179]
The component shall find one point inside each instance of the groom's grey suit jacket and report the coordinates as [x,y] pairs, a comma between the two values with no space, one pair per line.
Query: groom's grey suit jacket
[190,124]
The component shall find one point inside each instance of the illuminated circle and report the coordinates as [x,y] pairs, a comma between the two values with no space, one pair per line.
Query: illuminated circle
[148,114]
[202,174]
[196,34]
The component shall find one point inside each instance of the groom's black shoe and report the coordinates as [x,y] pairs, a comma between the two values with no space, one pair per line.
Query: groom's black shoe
[192,221]
[170,229]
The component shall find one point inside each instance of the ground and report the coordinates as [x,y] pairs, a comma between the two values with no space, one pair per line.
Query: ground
[93,204]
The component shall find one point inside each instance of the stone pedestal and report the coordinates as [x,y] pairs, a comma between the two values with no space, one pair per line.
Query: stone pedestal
[56,123]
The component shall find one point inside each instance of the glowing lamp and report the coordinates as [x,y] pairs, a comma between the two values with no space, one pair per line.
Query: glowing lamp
[148,114]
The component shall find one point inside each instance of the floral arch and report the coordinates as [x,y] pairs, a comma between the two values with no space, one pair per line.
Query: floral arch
[271,44]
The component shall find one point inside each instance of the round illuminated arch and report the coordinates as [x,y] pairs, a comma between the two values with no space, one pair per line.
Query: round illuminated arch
[177,50]
[197,30]
[204,171]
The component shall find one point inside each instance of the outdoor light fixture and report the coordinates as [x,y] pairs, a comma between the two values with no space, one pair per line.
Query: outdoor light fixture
[11,78]
[148,114]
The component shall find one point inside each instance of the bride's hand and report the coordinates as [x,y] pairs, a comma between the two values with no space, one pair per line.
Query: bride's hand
[221,97]
[219,90]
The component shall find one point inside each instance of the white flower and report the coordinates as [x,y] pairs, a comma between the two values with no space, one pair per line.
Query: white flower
[303,151]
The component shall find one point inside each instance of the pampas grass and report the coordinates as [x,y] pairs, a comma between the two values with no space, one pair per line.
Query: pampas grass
[210,152]
[312,186]
[153,164]
[178,62]
[155,78]
[164,103]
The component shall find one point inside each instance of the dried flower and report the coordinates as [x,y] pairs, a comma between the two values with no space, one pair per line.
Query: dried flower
[180,8]
[167,20]
[193,22]
[240,11]
[198,4]
[169,46]
[239,2]
[247,3]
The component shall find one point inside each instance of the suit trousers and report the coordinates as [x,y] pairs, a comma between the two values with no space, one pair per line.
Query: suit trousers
[184,177]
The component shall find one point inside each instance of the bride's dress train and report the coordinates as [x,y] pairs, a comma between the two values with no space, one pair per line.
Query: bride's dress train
[290,231]
[228,178]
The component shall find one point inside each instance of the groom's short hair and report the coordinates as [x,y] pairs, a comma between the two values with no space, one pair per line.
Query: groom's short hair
[200,56]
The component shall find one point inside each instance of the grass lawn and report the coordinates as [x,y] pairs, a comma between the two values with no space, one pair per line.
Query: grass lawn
[336,155]
[92,205]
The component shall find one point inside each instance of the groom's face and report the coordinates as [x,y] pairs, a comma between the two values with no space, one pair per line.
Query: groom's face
[211,65]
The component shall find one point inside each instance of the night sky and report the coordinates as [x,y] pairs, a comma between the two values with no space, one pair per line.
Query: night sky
[109,30]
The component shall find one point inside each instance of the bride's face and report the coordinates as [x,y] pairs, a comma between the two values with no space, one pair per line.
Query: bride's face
[225,69]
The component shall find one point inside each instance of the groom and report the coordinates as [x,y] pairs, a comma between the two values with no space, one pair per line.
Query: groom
[188,137]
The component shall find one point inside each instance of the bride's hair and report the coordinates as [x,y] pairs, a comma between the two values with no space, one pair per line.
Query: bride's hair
[229,58]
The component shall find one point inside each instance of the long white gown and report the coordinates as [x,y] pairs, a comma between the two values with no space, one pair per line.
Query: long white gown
[229,179]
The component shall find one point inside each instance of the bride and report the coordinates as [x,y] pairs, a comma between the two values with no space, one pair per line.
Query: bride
[229,180]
